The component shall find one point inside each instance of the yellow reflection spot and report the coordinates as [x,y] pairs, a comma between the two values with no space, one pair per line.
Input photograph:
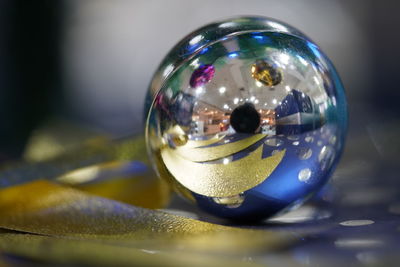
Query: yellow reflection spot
[266,73]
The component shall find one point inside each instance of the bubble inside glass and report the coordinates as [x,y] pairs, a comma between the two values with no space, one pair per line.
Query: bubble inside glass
[246,117]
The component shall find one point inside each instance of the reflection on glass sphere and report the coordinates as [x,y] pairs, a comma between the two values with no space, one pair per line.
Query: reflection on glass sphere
[245,117]
[266,73]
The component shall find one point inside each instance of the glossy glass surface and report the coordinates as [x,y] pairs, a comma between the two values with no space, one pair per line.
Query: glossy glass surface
[246,117]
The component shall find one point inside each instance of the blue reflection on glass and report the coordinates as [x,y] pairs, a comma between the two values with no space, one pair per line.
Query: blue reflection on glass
[314,48]
[262,39]
[233,54]
[204,50]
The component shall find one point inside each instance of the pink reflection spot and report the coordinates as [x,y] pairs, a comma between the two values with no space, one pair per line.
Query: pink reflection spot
[202,75]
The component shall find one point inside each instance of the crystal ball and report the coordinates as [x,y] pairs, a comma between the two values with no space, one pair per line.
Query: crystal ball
[245,117]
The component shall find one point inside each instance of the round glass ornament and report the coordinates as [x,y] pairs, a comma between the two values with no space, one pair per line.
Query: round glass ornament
[245,117]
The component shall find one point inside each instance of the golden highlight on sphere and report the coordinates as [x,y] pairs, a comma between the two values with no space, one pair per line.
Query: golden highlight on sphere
[266,73]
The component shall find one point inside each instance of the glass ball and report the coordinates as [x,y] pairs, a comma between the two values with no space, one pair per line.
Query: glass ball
[246,117]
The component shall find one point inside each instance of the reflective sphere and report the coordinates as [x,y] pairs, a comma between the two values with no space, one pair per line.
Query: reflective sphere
[246,117]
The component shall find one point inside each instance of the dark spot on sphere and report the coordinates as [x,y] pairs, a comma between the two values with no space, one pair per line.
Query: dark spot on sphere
[245,119]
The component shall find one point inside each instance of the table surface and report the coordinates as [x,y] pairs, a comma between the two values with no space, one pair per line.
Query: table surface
[353,221]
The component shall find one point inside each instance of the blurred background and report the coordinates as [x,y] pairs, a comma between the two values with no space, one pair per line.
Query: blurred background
[90,62]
